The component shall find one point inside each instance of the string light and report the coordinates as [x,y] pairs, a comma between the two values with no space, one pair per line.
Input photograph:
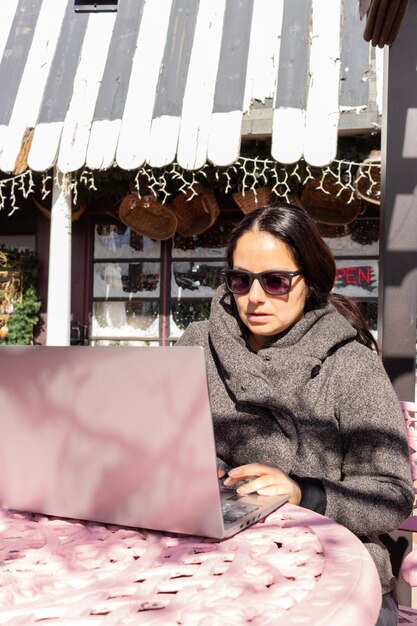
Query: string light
[249,172]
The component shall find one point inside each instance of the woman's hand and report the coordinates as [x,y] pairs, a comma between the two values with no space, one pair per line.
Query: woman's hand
[268,481]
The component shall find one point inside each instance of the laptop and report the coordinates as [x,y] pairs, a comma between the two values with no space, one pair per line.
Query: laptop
[119,435]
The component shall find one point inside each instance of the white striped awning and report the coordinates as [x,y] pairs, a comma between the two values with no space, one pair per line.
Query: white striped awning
[160,81]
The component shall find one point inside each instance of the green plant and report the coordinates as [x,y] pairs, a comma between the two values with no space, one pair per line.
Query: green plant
[19,303]
[24,319]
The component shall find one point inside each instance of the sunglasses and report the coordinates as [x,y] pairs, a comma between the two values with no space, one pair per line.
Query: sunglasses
[276,283]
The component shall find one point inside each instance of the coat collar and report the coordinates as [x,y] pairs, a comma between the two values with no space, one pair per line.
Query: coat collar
[287,362]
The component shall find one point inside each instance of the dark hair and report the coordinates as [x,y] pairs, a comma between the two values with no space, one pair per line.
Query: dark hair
[297,229]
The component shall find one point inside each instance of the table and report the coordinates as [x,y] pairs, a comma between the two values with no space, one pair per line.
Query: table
[294,568]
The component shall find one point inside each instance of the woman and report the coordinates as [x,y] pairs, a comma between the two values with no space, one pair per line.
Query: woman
[301,402]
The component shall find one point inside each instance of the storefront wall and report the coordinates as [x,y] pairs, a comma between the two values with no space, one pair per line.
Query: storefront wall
[145,292]
[130,289]
[97,89]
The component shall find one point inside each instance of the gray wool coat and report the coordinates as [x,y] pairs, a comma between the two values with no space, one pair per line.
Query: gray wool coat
[316,403]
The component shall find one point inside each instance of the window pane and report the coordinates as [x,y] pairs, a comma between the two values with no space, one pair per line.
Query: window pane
[365,232]
[19,242]
[211,243]
[119,241]
[370,310]
[122,280]
[183,313]
[125,319]
[359,238]
[195,279]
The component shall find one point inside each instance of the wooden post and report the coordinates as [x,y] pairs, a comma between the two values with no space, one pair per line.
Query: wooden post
[398,241]
[58,325]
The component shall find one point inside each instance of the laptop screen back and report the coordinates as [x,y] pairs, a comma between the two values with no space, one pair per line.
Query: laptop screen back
[112,434]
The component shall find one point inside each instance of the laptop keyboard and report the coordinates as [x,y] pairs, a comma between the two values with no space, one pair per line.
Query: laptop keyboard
[232,511]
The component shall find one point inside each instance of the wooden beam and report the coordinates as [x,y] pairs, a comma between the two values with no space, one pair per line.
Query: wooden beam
[398,241]
[58,325]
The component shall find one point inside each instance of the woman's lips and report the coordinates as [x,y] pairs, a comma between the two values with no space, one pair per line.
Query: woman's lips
[258,317]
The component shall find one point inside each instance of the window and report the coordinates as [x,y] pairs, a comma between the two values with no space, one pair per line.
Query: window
[18,242]
[196,263]
[126,287]
[356,248]
[98,5]
[146,292]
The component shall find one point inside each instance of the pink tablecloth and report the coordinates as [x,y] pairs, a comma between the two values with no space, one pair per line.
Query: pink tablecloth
[296,567]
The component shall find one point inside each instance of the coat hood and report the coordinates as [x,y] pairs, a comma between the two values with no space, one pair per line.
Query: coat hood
[293,357]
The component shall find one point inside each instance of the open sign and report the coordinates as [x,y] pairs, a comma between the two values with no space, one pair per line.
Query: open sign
[357,278]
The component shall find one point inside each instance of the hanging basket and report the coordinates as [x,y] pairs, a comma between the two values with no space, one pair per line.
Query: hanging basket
[147,216]
[254,198]
[368,179]
[195,213]
[327,201]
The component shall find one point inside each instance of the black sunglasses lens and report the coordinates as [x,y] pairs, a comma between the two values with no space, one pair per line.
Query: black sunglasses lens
[238,282]
[276,284]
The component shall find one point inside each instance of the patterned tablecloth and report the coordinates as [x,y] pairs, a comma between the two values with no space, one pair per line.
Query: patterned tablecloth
[294,568]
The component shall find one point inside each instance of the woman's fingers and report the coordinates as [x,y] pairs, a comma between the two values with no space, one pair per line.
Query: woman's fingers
[254,470]
[267,480]
[257,485]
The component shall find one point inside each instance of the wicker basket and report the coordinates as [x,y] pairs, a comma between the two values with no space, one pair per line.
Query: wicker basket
[254,198]
[332,205]
[368,178]
[148,217]
[195,213]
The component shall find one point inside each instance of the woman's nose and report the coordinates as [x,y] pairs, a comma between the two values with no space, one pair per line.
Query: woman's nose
[256,293]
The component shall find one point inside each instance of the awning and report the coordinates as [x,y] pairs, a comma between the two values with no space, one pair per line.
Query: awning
[160,81]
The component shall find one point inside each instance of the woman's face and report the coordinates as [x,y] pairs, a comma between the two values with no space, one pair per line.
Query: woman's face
[265,315]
